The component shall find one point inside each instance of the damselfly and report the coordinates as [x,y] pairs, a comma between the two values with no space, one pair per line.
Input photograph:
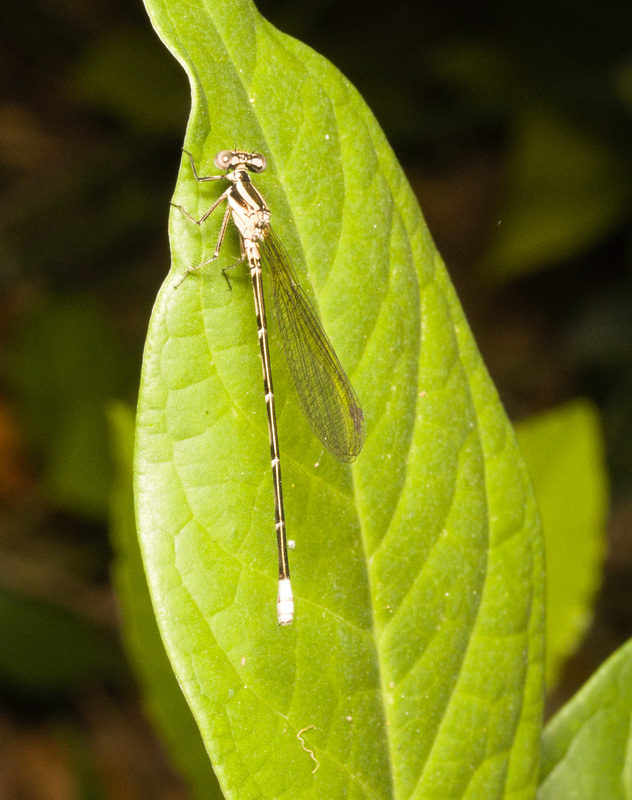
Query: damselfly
[324,392]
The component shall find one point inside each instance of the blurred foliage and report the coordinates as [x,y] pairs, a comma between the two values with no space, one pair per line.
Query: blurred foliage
[66,363]
[70,652]
[566,190]
[102,83]
[502,112]
[563,450]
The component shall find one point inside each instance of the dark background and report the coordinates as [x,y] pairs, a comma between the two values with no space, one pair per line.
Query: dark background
[92,116]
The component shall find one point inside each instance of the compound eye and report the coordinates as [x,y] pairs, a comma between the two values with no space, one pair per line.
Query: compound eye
[223,159]
[258,162]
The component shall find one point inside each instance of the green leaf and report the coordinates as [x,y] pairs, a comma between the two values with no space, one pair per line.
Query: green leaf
[163,696]
[564,453]
[586,746]
[414,665]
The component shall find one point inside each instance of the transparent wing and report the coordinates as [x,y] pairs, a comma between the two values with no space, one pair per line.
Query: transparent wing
[324,391]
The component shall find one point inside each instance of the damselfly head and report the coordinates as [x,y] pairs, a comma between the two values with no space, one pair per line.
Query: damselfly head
[229,159]
[257,162]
